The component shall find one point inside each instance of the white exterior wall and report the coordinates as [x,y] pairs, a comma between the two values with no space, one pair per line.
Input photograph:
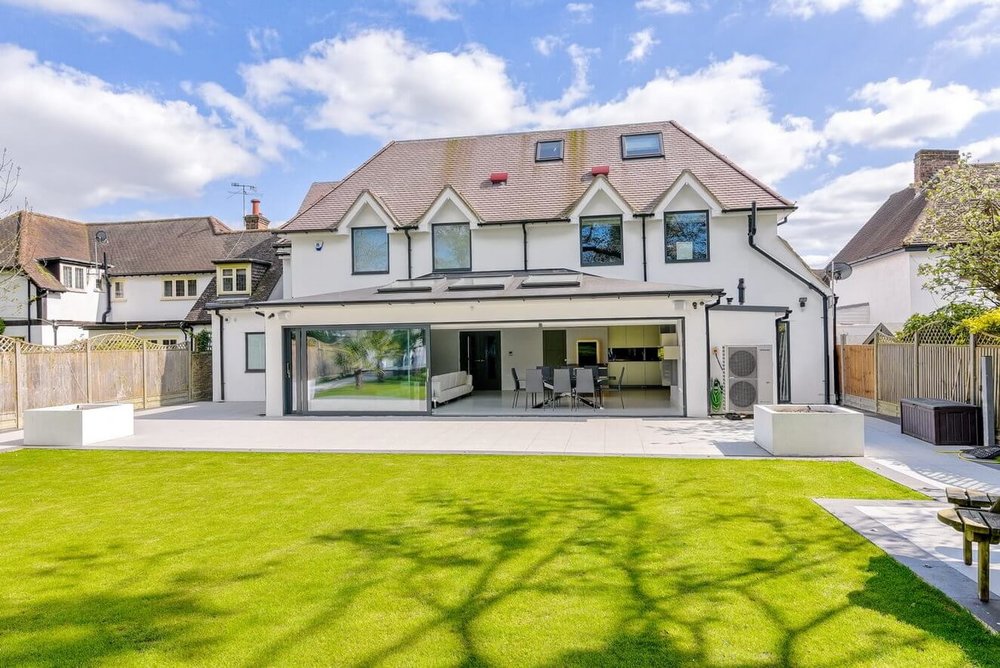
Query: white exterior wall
[891,286]
[557,245]
[240,385]
[144,298]
[503,314]
[921,299]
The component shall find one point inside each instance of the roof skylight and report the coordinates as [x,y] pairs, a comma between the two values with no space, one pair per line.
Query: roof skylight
[551,149]
[480,283]
[551,281]
[646,145]
[411,285]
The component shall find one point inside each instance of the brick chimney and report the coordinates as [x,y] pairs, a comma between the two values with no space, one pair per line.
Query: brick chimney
[255,221]
[927,162]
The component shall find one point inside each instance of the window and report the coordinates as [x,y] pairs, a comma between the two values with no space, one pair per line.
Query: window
[549,150]
[74,278]
[180,288]
[601,241]
[234,280]
[649,145]
[118,290]
[686,236]
[370,250]
[255,352]
[452,246]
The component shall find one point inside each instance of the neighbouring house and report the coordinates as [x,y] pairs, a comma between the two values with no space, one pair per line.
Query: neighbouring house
[636,246]
[885,287]
[151,278]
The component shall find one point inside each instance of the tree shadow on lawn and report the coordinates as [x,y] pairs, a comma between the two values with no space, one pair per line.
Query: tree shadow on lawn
[540,554]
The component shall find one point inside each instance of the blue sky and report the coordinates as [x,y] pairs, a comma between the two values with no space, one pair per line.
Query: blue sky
[145,108]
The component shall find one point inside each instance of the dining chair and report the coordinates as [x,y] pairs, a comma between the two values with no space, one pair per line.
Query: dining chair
[562,384]
[517,387]
[585,384]
[534,385]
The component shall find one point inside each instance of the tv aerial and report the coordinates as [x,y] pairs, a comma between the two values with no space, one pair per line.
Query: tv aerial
[243,189]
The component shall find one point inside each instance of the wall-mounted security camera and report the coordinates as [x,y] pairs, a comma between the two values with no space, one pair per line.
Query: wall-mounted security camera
[319,245]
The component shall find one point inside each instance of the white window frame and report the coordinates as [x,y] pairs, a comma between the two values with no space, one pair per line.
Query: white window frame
[232,272]
[117,290]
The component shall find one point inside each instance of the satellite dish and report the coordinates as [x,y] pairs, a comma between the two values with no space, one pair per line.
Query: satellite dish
[839,270]
[101,236]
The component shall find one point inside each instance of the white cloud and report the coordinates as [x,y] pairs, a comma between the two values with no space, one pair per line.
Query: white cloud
[547,44]
[664,6]
[269,140]
[149,21]
[642,42]
[833,159]
[905,113]
[830,215]
[984,150]
[976,37]
[582,12]
[263,40]
[82,142]
[434,10]
[873,10]
[380,84]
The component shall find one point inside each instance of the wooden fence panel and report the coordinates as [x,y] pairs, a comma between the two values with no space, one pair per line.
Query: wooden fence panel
[166,376]
[116,375]
[945,372]
[8,388]
[859,371]
[54,378]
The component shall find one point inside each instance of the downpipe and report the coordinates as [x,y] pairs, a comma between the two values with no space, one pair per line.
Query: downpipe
[708,351]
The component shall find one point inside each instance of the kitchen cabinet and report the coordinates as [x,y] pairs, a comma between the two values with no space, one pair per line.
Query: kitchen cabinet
[652,374]
[618,337]
[651,336]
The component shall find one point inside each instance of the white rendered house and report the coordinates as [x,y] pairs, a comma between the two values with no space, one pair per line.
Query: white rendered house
[637,247]
[151,278]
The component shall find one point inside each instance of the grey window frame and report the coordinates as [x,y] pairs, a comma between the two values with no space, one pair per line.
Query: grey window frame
[562,149]
[621,225]
[659,154]
[708,236]
[246,352]
[434,266]
[354,270]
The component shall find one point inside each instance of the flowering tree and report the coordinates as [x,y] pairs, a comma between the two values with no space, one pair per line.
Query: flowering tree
[962,224]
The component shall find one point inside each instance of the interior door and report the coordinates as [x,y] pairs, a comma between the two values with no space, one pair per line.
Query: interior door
[554,347]
[479,356]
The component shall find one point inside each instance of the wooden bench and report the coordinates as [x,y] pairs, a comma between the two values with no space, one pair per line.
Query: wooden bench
[971,498]
[977,526]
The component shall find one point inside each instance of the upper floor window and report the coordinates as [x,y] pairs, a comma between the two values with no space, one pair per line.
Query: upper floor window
[601,241]
[370,250]
[451,246]
[647,145]
[74,277]
[234,280]
[180,288]
[549,150]
[685,234]
[118,290]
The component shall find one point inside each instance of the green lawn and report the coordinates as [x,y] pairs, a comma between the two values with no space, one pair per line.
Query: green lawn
[145,558]
[399,388]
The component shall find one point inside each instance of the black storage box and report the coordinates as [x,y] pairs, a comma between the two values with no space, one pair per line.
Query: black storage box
[940,422]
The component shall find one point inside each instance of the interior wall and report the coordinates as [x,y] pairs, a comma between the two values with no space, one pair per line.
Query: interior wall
[521,348]
[444,351]
[574,334]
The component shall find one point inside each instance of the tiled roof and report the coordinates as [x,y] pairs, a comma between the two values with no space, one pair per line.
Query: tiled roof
[316,190]
[887,230]
[40,237]
[264,277]
[408,175]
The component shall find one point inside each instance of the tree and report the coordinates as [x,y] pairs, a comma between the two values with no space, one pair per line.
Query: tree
[952,318]
[366,351]
[962,224]
[10,271]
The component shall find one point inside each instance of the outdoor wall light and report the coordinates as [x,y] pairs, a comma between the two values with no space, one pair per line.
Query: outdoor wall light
[802,302]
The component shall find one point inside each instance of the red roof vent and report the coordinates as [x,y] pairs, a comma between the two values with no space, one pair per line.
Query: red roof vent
[600,169]
[498,177]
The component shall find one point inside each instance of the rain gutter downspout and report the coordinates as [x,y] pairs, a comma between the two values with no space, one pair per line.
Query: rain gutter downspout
[107,290]
[409,253]
[28,309]
[751,231]
[708,351]
[524,238]
[642,217]
[836,367]
[222,358]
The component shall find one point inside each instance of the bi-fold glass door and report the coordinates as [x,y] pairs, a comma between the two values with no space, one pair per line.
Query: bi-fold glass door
[356,370]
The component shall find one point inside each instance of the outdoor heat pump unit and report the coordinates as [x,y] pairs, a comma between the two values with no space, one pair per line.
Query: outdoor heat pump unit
[749,377]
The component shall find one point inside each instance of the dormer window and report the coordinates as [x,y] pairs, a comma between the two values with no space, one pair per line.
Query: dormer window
[646,145]
[234,279]
[551,149]
[73,278]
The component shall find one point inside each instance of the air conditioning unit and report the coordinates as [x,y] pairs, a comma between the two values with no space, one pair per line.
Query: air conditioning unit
[749,377]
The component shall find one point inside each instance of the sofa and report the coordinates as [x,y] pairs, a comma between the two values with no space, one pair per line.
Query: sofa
[448,386]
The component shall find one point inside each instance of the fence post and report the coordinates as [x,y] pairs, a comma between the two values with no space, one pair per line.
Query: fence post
[19,392]
[877,337]
[191,371]
[916,363]
[144,373]
[90,391]
[988,402]
[973,370]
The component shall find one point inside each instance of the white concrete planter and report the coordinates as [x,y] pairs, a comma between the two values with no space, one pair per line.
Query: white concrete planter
[813,430]
[77,424]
